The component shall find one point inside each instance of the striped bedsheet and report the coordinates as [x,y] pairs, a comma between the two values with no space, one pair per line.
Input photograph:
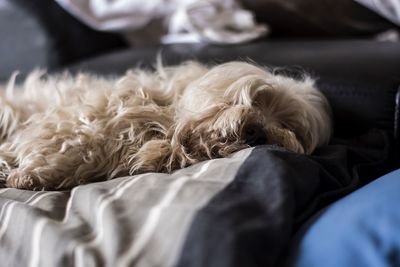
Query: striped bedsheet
[140,220]
[236,211]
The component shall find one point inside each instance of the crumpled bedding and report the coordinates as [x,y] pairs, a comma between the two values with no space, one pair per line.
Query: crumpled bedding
[166,21]
[236,211]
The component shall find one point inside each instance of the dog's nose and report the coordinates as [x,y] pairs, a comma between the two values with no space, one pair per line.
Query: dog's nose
[254,135]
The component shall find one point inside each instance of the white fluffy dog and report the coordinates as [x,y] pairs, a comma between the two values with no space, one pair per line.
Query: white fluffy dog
[61,131]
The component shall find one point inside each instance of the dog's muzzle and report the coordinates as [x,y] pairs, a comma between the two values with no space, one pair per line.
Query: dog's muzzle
[254,135]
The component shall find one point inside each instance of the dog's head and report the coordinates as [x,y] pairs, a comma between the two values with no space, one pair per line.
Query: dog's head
[237,105]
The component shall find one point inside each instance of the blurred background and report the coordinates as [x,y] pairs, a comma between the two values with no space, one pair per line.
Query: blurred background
[55,34]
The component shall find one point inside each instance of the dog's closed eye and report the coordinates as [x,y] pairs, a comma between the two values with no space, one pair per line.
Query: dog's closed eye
[254,134]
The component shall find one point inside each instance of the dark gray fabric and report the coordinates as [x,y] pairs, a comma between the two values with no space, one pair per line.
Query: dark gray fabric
[252,220]
[68,39]
[41,34]
[22,42]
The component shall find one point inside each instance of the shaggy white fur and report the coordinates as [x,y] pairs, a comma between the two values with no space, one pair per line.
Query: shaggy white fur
[60,131]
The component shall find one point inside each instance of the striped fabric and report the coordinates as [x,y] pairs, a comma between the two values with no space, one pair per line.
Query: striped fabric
[130,221]
[230,212]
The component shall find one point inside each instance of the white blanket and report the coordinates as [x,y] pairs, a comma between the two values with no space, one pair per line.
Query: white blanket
[170,21]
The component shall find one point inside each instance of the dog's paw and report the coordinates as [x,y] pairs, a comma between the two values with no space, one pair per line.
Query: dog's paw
[23,180]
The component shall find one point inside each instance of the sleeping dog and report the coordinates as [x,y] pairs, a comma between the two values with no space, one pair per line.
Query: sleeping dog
[60,131]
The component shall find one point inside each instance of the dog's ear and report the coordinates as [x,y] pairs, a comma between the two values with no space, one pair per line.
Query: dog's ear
[301,113]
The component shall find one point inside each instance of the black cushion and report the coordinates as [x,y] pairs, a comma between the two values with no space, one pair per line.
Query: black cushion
[355,59]
[318,18]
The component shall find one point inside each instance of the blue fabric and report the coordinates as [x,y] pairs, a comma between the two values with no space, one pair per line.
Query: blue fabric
[362,229]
